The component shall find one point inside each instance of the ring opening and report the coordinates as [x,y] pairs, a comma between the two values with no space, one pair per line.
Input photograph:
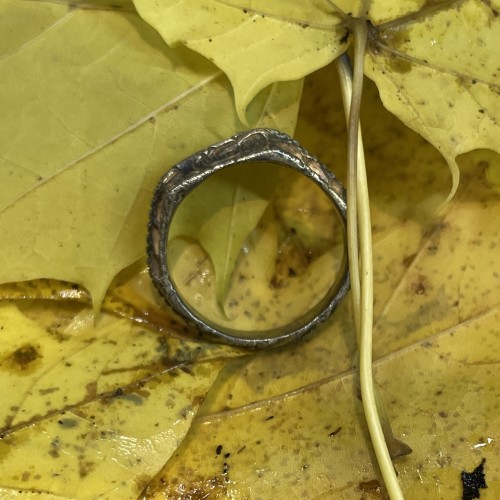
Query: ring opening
[256,247]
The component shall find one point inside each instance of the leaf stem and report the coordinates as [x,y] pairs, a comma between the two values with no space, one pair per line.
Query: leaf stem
[360,255]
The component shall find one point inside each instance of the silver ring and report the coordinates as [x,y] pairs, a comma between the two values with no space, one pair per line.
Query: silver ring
[258,145]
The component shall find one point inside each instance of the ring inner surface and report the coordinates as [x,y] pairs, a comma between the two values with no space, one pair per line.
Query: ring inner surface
[283,273]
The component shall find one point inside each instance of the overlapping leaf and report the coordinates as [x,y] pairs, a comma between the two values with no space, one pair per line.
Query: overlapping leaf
[95,108]
[435,64]
[93,410]
[296,419]
[255,45]
[289,423]
[438,73]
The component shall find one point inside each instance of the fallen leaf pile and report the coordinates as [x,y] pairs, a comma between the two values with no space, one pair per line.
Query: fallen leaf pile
[125,403]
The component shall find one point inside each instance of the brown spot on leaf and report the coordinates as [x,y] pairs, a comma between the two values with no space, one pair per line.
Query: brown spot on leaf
[193,488]
[420,285]
[369,486]
[398,65]
[25,355]
[91,389]
[85,467]
[408,260]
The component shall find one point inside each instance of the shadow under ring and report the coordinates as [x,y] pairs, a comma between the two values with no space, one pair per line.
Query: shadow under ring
[257,145]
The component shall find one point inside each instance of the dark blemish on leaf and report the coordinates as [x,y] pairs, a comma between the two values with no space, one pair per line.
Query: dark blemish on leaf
[218,450]
[270,417]
[91,389]
[117,392]
[371,486]
[420,286]
[443,414]
[225,468]
[25,355]
[184,413]
[473,481]
[198,400]
[68,423]
[49,390]
[408,260]
[399,65]
[241,449]
[344,38]
[54,448]
[304,25]
[227,455]
[209,39]
[85,467]
[134,398]
[245,11]
[336,431]
[188,370]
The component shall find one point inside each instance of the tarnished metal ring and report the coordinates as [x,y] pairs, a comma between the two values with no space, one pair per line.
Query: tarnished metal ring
[258,145]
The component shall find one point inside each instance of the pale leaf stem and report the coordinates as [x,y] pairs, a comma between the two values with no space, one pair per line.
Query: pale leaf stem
[360,256]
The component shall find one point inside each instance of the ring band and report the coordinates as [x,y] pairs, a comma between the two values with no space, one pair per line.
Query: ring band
[257,145]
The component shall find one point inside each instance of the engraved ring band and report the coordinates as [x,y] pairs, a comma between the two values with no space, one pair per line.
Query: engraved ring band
[257,145]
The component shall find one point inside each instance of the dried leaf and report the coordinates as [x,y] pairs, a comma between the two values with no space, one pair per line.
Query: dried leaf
[313,443]
[99,408]
[290,421]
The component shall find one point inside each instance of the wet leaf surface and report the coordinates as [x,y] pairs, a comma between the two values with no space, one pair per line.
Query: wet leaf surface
[93,410]
[435,63]
[109,408]
[435,345]
[438,73]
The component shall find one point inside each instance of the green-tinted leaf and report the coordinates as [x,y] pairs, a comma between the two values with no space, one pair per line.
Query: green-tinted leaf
[219,212]
[435,63]
[95,108]
[255,45]
[438,72]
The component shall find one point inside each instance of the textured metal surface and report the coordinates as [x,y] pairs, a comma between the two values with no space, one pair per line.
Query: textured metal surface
[258,145]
